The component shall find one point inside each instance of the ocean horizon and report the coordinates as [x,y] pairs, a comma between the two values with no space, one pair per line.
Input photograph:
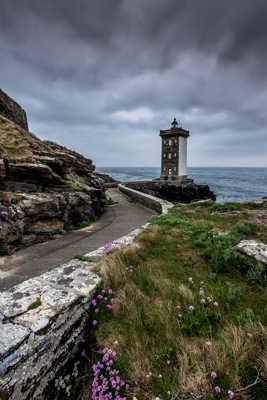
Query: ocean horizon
[228,183]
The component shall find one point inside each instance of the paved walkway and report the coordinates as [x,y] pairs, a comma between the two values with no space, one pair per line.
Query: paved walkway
[117,220]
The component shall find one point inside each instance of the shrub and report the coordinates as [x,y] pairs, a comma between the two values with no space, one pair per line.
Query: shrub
[233,292]
[245,228]
[226,207]
[4,249]
[257,274]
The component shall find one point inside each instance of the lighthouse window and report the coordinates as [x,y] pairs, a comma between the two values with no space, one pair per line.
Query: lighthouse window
[170,142]
[175,155]
[169,156]
[170,171]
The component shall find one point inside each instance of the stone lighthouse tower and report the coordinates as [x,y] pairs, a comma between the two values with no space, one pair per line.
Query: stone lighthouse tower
[174,153]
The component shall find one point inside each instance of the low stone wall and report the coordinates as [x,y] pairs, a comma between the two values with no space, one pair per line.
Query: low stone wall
[155,203]
[41,323]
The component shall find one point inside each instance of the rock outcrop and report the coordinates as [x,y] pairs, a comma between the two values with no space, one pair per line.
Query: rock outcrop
[10,109]
[184,192]
[44,187]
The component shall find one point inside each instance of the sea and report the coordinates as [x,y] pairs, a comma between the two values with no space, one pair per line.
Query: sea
[229,184]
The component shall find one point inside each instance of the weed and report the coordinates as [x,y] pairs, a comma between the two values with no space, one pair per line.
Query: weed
[82,258]
[257,274]
[4,249]
[245,228]
[80,225]
[233,292]
[37,303]
[110,202]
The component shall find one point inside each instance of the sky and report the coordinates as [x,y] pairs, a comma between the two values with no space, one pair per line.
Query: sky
[103,77]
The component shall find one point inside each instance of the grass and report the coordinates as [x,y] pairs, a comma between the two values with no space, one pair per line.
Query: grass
[82,258]
[160,353]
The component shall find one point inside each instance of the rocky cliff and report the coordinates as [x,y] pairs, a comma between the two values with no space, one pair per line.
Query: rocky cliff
[44,187]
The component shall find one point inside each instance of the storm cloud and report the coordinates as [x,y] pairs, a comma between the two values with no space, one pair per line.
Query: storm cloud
[104,77]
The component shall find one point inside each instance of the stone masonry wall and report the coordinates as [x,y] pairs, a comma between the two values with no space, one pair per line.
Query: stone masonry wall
[37,342]
[10,109]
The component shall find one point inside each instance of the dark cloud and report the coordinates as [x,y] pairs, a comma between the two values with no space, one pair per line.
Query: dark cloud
[103,77]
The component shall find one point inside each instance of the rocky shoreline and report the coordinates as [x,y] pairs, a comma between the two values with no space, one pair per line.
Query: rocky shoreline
[185,192]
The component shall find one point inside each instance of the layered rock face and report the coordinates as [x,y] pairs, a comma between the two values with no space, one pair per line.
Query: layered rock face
[44,187]
[184,192]
[10,109]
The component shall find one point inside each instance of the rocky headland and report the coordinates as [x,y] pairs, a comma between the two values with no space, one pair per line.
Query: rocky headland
[185,192]
[44,187]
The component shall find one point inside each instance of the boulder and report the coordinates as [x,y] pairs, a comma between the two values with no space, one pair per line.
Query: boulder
[254,249]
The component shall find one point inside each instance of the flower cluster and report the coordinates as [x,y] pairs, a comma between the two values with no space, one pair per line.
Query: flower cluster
[107,383]
[218,389]
[203,300]
[112,246]
[102,300]
[130,268]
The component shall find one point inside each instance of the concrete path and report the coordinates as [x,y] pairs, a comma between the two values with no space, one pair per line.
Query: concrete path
[117,220]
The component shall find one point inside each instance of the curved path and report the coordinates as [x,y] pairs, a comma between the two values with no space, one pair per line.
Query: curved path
[117,220]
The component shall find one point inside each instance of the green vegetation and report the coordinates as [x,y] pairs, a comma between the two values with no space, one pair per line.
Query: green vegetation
[110,202]
[37,303]
[80,225]
[187,303]
[130,200]
[4,249]
[82,258]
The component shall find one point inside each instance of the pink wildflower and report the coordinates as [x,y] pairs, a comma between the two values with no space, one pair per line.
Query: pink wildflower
[231,394]
[249,334]
[178,307]
[191,308]
[208,343]
[216,304]
[213,374]
[109,291]
[94,322]
[201,292]
[209,299]
[83,354]
[203,301]
[202,282]
[96,310]
[94,302]
[180,315]
[116,342]
[217,389]
[190,279]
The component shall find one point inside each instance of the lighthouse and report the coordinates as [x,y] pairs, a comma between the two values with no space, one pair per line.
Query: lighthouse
[174,153]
